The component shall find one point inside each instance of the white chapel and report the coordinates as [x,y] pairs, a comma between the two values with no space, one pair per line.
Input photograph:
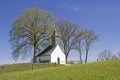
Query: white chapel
[53,53]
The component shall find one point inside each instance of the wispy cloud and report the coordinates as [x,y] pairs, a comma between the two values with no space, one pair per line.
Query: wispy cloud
[70,7]
[62,6]
[76,8]
[101,9]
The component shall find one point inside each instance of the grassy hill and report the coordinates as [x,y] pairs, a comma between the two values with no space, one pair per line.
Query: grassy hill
[25,67]
[109,70]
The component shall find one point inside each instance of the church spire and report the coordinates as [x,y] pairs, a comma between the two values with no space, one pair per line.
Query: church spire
[55,38]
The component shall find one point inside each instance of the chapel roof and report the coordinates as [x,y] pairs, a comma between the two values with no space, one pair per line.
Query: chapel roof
[47,51]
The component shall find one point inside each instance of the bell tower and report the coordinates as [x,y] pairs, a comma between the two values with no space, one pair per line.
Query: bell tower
[55,38]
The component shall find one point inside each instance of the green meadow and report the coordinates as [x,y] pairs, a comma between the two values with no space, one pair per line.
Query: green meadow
[26,67]
[108,70]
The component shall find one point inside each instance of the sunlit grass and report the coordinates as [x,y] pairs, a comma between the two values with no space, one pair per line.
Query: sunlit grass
[109,70]
[26,67]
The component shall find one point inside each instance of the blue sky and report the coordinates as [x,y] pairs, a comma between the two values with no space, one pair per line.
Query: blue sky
[102,16]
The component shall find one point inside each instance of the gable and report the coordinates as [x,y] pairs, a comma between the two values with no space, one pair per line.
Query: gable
[57,51]
[58,54]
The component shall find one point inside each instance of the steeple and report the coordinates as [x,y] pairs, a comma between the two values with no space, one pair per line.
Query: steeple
[55,38]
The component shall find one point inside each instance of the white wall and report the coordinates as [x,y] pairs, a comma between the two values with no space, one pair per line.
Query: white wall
[58,53]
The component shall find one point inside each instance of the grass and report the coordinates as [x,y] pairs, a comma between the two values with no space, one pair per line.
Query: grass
[25,67]
[109,70]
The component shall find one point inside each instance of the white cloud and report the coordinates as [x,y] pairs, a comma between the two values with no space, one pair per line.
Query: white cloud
[62,6]
[70,7]
[76,8]
[101,9]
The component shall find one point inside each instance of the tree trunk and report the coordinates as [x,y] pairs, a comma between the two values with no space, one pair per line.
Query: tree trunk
[66,56]
[80,56]
[86,57]
[34,56]
[80,59]
[66,59]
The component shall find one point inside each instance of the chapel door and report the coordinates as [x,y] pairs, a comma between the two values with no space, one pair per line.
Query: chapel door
[58,60]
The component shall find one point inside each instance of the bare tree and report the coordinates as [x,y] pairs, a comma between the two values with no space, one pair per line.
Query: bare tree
[114,57]
[79,45]
[30,32]
[90,38]
[67,32]
[118,54]
[105,55]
